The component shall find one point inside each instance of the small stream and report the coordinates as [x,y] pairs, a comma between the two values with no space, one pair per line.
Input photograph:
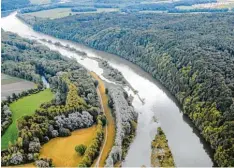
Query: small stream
[45,82]
[183,139]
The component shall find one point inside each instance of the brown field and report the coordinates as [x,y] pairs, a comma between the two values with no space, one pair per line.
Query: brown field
[12,85]
[110,121]
[62,149]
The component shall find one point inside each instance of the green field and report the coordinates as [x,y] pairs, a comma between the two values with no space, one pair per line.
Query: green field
[24,106]
[63,12]
[6,79]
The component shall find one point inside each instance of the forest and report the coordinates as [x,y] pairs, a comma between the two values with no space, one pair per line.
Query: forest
[193,56]
[74,106]
[13,4]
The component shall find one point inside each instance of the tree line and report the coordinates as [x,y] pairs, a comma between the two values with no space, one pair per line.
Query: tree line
[75,96]
[192,55]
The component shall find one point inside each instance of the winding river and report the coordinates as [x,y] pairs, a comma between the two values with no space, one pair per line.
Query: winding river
[186,146]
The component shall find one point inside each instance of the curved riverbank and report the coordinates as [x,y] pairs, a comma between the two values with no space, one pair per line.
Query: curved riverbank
[185,145]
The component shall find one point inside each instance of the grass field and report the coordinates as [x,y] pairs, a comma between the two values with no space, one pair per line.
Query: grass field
[62,149]
[24,106]
[215,5]
[110,121]
[63,12]
[6,79]
[12,84]
[39,2]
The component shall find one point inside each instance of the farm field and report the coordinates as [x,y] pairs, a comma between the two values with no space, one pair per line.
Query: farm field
[62,149]
[12,84]
[39,2]
[21,107]
[6,79]
[217,5]
[63,12]
[110,121]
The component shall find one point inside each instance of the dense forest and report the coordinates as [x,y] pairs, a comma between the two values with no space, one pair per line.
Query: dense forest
[13,4]
[193,56]
[74,106]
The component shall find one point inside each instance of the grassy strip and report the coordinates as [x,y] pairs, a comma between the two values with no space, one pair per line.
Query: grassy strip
[21,107]
[110,121]
[161,155]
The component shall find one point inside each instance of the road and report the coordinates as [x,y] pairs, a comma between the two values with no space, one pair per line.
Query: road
[106,132]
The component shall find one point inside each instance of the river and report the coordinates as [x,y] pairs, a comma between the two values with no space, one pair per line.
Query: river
[186,146]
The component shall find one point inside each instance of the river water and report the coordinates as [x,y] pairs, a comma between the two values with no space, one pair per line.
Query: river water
[186,146]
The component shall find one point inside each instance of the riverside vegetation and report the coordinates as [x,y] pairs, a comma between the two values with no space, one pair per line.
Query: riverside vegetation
[75,100]
[73,104]
[193,56]
[161,155]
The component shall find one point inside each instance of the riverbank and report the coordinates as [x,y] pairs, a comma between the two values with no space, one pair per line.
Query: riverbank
[157,103]
[161,155]
[110,122]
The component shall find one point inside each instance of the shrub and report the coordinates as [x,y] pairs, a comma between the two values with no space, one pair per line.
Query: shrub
[80,149]
[63,132]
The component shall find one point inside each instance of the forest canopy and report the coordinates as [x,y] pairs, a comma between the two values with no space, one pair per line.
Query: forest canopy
[193,56]
[74,106]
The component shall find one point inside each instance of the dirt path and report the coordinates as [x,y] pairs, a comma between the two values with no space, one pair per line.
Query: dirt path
[106,132]
[110,128]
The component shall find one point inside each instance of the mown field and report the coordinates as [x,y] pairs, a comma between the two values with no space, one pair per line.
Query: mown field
[39,2]
[12,84]
[62,149]
[24,106]
[63,12]
[218,5]
[6,79]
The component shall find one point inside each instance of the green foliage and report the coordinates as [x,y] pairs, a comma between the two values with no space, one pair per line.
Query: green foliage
[27,59]
[13,4]
[191,55]
[24,106]
[80,149]
[161,155]
[102,118]
[93,149]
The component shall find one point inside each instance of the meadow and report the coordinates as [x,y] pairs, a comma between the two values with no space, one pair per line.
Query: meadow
[21,107]
[39,2]
[6,79]
[12,84]
[62,149]
[63,12]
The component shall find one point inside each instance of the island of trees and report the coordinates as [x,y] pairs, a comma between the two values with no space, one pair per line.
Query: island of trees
[193,56]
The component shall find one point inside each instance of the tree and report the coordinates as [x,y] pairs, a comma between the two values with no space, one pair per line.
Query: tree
[80,149]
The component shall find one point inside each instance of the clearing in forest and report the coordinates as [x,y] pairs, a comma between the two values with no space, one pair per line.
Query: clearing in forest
[64,12]
[62,149]
[24,106]
[110,122]
[39,2]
